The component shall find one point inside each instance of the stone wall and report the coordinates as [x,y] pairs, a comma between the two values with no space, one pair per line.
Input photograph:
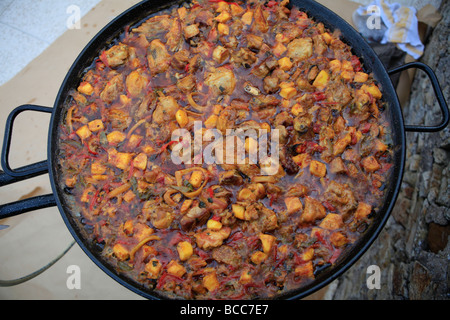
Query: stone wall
[413,249]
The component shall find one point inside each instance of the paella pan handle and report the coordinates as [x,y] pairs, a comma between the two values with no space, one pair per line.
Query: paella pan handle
[437,91]
[8,175]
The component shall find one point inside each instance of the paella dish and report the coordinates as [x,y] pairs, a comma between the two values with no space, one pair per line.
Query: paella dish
[198,229]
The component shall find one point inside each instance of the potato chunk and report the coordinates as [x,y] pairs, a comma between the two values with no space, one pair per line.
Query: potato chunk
[317,168]
[185,250]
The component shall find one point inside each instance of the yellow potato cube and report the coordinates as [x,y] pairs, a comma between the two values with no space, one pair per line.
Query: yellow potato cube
[196,179]
[214,224]
[236,10]
[153,268]
[182,118]
[222,5]
[317,168]
[223,29]
[129,196]
[347,75]
[122,160]
[296,109]
[211,121]
[335,65]
[191,31]
[97,168]
[186,205]
[185,250]
[85,88]
[210,281]
[121,252]
[361,77]
[327,37]
[332,221]
[373,90]
[238,211]
[176,269]
[285,63]
[370,164]
[293,204]
[224,16]
[220,54]
[96,125]
[305,270]
[288,92]
[140,161]
[363,210]
[84,132]
[267,241]
[346,66]
[278,49]
[338,239]
[246,277]
[115,137]
[247,18]
[308,254]
[321,80]
[134,141]
[258,257]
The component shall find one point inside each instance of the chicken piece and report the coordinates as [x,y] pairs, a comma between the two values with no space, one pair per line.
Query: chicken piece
[115,56]
[226,119]
[337,166]
[271,84]
[300,49]
[260,20]
[154,26]
[194,217]
[180,59]
[313,210]
[187,83]
[231,177]
[166,110]
[332,221]
[211,239]
[136,83]
[370,164]
[293,204]
[158,57]
[113,89]
[174,36]
[222,80]
[340,196]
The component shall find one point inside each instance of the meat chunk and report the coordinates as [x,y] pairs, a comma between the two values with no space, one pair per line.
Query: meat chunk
[195,216]
[300,49]
[222,80]
[231,177]
[113,89]
[211,239]
[158,57]
[116,55]
[136,83]
[165,110]
[313,210]
[226,254]
[341,197]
